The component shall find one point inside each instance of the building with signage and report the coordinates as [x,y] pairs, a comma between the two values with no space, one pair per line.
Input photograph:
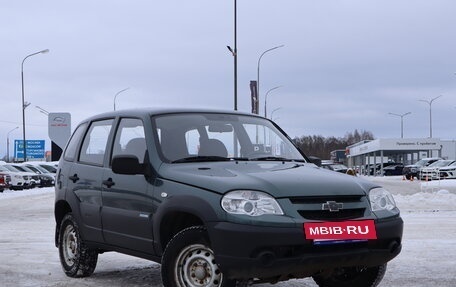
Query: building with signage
[407,151]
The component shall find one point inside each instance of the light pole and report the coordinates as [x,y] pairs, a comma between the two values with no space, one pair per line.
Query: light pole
[24,104]
[429,102]
[258,68]
[42,110]
[266,99]
[8,144]
[115,97]
[234,53]
[274,110]
[402,121]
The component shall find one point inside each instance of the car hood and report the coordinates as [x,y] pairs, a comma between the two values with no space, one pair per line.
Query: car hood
[450,167]
[280,179]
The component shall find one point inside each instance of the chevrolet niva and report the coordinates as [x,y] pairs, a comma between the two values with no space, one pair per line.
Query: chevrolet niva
[219,199]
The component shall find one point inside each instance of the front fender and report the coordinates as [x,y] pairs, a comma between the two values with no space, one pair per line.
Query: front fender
[201,209]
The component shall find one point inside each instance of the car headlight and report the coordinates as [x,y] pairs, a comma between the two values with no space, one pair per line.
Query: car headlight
[381,199]
[249,202]
[18,176]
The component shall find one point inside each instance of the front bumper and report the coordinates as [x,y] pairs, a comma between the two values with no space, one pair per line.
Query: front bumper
[246,251]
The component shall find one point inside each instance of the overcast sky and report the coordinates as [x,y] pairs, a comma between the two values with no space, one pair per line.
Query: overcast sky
[345,64]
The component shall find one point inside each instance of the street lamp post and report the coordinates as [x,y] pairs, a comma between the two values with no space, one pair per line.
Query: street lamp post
[24,104]
[234,53]
[402,121]
[8,144]
[273,111]
[266,99]
[429,102]
[258,67]
[115,96]
[43,111]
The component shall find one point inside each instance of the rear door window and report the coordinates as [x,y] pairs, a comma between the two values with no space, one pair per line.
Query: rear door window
[130,139]
[94,145]
[70,150]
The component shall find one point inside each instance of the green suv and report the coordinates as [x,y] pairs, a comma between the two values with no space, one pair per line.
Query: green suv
[219,199]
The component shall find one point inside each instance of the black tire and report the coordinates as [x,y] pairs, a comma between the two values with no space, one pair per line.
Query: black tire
[188,261]
[76,258]
[351,277]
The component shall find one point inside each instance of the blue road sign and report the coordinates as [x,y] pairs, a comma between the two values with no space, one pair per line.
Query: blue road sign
[35,149]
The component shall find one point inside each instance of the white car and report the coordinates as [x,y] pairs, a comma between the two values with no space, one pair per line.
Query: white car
[17,180]
[46,178]
[432,171]
[31,179]
[448,172]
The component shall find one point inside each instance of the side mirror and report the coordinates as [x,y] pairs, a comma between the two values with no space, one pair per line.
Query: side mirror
[315,160]
[127,164]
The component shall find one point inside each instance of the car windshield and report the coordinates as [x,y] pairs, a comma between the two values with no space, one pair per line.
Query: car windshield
[190,137]
[422,162]
[441,163]
[11,168]
[38,169]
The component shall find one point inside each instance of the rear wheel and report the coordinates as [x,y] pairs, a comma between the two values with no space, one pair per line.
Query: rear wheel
[189,261]
[351,277]
[76,258]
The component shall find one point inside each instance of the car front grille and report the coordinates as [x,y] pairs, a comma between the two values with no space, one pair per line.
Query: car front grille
[311,208]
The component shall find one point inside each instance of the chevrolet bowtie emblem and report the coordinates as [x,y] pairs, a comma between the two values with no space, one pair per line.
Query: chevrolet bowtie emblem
[332,206]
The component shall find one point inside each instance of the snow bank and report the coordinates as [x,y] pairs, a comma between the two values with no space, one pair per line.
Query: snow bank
[7,194]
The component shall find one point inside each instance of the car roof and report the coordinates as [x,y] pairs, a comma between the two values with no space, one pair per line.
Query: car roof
[152,111]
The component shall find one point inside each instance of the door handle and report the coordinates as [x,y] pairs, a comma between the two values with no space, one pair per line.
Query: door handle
[108,182]
[74,178]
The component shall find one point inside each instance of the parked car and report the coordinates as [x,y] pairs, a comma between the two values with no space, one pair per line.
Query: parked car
[395,169]
[339,167]
[18,181]
[38,169]
[448,172]
[33,179]
[50,166]
[5,180]
[45,179]
[375,169]
[431,172]
[413,170]
[199,192]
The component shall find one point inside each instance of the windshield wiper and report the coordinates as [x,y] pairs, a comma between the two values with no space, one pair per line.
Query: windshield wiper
[201,159]
[240,158]
[271,158]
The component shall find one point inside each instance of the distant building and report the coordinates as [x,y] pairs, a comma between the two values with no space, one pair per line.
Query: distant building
[401,150]
[338,155]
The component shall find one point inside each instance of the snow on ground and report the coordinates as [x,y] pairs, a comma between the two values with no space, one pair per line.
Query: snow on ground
[28,256]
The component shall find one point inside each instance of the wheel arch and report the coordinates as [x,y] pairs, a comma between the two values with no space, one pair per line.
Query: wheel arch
[174,216]
[61,208]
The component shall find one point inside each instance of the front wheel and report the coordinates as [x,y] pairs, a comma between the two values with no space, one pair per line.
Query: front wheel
[76,258]
[189,261]
[351,277]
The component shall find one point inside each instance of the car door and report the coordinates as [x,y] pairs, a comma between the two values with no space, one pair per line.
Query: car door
[127,199]
[86,175]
